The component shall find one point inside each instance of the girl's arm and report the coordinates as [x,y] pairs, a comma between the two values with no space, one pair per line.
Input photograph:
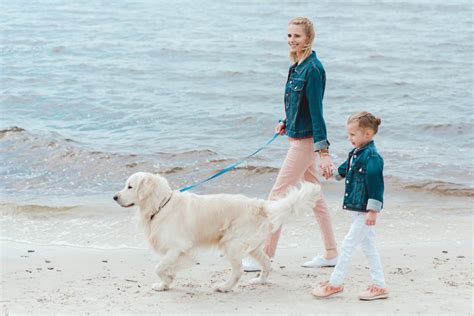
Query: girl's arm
[341,171]
[375,184]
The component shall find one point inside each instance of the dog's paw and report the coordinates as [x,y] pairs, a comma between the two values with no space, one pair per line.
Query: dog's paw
[160,287]
[222,288]
[256,281]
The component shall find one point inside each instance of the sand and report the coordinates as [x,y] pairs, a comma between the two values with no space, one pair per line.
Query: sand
[426,254]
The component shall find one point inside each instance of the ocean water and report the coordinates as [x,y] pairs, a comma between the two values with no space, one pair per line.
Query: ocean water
[92,92]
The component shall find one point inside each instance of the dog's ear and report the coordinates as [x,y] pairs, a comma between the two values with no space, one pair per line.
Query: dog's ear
[145,188]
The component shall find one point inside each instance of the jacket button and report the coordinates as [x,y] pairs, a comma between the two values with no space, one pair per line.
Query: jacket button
[355,156]
[344,206]
[347,181]
[291,81]
[347,194]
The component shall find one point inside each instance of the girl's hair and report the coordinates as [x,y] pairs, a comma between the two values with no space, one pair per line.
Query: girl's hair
[365,120]
[310,33]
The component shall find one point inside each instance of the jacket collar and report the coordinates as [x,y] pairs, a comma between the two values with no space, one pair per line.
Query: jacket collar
[369,144]
[298,68]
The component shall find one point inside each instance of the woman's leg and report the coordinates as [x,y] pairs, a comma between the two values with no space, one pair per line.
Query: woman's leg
[298,159]
[322,215]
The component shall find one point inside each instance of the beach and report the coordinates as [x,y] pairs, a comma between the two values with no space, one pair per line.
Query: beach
[426,255]
[93,92]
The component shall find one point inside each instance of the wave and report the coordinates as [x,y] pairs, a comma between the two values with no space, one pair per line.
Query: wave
[194,153]
[54,166]
[13,129]
[36,210]
[50,165]
[442,188]
[451,128]
[258,169]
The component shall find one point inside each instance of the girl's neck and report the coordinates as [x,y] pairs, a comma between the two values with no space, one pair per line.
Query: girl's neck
[357,148]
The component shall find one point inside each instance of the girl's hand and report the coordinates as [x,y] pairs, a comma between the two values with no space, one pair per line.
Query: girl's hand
[280,128]
[325,165]
[370,218]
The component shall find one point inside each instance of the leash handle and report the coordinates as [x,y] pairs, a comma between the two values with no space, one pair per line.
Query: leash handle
[227,169]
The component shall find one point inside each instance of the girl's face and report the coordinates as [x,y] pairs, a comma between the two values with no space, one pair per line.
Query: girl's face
[358,136]
[297,38]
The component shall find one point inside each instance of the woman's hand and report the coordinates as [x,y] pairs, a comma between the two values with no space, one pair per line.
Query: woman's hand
[326,166]
[280,128]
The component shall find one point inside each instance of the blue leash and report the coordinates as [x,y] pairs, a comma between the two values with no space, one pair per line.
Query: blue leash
[229,167]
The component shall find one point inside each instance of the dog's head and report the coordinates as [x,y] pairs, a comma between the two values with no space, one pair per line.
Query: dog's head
[143,189]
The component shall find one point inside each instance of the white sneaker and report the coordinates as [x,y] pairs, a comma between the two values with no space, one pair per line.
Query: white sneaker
[320,262]
[250,265]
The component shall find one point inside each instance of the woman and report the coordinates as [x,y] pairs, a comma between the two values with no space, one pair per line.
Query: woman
[306,130]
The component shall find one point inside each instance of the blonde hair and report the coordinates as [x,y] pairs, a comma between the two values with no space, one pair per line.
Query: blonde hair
[365,120]
[308,29]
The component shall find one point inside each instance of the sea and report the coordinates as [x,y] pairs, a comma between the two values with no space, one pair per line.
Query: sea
[93,91]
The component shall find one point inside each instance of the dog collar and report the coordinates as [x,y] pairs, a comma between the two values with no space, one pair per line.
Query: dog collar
[161,206]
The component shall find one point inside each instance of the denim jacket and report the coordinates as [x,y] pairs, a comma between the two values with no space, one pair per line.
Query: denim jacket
[304,92]
[364,179]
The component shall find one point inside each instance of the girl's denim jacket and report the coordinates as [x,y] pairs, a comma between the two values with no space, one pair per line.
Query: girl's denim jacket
[363,179]
[304,92]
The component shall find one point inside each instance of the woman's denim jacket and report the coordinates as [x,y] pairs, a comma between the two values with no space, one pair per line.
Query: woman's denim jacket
[304,94]
[364,179]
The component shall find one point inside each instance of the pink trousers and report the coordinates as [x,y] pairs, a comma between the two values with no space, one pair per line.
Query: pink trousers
[300,164]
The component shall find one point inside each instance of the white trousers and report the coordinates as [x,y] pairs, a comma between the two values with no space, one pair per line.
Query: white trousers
[363,235]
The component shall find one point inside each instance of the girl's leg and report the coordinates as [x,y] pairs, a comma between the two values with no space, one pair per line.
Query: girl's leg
[321,213]
[298,159]
[370,251]
[354,237]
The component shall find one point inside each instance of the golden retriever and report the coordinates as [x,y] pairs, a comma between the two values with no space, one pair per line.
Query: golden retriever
[178,223]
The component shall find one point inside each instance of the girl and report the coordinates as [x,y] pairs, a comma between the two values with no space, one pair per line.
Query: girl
[364,189]
[306,129]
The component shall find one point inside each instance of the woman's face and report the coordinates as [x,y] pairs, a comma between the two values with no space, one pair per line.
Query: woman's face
[297,38]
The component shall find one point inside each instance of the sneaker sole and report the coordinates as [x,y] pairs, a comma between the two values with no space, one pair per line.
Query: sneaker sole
[324,296]
[329,266]
[378,297]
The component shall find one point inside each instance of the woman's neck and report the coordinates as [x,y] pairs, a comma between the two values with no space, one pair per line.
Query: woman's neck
[299,55]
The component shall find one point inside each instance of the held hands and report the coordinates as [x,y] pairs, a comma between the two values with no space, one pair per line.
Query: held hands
[370,218]
[326,166]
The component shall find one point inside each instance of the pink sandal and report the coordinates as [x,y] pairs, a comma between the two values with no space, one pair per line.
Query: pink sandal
[326,289]
[374,292]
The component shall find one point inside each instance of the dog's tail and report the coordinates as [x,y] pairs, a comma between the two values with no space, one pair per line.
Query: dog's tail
[298,200]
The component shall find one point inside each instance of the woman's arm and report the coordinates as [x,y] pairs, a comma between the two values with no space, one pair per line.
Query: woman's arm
[314,94]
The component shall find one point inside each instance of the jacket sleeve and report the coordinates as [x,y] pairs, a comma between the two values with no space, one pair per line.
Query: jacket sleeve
[314,94]
[341,171]
[375,185]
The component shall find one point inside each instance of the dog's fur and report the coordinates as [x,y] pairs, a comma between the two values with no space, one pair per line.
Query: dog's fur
[235,224]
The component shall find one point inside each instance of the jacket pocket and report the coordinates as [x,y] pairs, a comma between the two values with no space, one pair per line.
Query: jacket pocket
[360,187]
[294,91]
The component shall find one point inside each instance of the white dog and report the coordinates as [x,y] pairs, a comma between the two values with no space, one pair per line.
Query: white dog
[176,223]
